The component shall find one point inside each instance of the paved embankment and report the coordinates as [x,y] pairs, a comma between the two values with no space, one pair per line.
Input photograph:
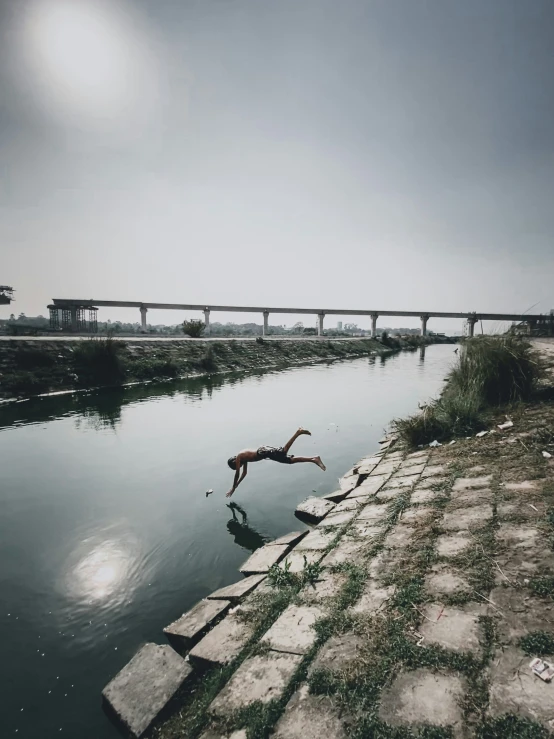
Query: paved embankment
[426,590]
[29,367]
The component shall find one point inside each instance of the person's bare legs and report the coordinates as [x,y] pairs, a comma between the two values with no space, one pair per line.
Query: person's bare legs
[298,433]
[314,460]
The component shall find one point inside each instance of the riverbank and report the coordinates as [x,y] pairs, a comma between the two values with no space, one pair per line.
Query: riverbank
[428,592]
[33,367]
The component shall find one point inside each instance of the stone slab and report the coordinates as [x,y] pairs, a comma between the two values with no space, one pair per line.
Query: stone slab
[140,691]
[336,496]
[415,515]
[237,590]
[384,563]
[317,539]
[296,560]
[518,614]
[514,689]
[470,518]
[337,519]
[427,495]
[289,539]
[402,482]
[347,484]
[374,598]
[387,494]
[385,468]
[431,483]
[433,470]
[350,504]
[366,468]
[441,581]
[450,545]
[525,486]
[399,538]
[520,537]
[263,559]
[338,653]
[457,629]
[371,486]
[261,678]
[310,717]
[424,697]
[314,509]
[345,551]
[293,631]
[470,497]
[328,585]
[363,530]
[187,629]
[222,644]
[411,469]
[373,513]
[418,455]
[467,483]
[216,735]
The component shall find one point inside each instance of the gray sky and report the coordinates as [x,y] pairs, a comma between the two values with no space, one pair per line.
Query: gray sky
[393,154]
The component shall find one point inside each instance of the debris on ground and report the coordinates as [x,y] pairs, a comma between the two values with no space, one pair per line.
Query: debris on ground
[542,669]
[546,455]
[435,443]
[481,433]
[507,425]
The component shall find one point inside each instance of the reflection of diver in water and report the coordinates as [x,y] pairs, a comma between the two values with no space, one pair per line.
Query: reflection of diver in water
[244,535]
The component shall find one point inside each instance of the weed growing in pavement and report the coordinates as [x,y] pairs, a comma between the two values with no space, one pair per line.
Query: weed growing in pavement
[537,644]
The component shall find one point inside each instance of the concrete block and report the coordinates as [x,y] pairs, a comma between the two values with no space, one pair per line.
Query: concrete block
[145,686]
[263,559]
[346,484]
[431,483]
[223,643]
[337,519]
[440,581]
[310,717]
[317,539]
[525,486]
[289,539]
[314,509]
[399,538]
[433,470]
[514,689]
[373,513]
[470,518]
[237,590]
[335,497]
[297,560]
[371,486]
[421,455]
[216,735]
[386,494]
[261,678]
[462,498]
[424,495]
[374,598]
[345,551]
[519,537]
[363,530]
[450,545]
[457,629]
[410,469]
[467,483]
[293,631]
[187,629]
[415,515]
[384,563]
[424,697]
[328,585]
[338,653]
[350,504]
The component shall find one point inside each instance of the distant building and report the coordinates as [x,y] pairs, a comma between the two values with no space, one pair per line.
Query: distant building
[339,325]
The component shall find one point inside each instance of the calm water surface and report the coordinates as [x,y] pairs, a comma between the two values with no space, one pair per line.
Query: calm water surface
[106,534]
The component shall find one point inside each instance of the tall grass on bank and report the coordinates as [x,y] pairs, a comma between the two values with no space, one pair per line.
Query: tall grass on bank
[99,362]
[490,372]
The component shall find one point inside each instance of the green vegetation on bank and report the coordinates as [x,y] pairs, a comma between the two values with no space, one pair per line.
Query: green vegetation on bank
[491,372]
[32,367]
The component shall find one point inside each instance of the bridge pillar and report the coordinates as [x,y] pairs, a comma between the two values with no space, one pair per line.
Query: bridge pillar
[424,320]
[74,318]
[320,317]
[374,317]
[471,326]
[266,322]
[207,319]
[143,312]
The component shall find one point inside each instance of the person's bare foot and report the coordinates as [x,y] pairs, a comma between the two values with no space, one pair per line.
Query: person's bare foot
[320,463]
[304,431]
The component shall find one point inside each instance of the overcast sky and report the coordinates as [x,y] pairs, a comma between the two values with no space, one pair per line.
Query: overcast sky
[379,154]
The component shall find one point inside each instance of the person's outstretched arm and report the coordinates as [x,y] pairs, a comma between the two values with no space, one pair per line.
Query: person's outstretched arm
[238,477]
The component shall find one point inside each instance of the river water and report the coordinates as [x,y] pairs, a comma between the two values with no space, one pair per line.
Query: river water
[106,534]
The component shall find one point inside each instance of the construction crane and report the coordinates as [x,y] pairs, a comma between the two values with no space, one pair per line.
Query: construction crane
[6,294]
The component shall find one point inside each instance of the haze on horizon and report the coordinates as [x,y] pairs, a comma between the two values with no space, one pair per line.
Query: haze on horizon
[382,154]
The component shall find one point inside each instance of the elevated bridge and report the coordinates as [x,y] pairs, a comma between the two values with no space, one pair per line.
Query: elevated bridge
[73,314]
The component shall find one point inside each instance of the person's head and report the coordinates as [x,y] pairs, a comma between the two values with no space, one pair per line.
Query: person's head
[232,462]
